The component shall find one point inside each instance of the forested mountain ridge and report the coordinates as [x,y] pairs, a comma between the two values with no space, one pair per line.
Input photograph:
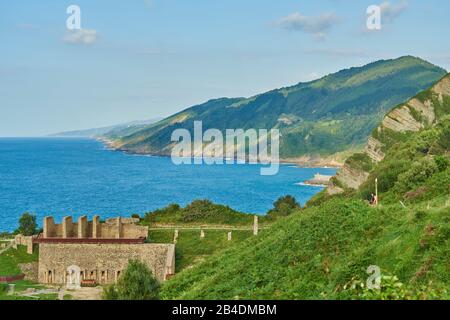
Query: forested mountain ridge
[317,118]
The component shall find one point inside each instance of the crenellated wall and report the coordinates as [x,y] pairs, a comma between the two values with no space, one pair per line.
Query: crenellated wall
[117,228]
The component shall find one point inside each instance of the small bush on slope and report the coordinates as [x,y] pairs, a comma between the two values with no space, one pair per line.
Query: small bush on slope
[198,212]
[136,283]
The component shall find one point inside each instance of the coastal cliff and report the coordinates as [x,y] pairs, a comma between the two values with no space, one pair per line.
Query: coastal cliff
[421,112]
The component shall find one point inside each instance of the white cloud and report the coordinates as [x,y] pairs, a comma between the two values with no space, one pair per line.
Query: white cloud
[81,36]
[318,26]
[390,12]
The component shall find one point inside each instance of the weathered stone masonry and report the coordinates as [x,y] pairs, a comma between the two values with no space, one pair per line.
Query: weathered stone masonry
[101,251]
[101,262]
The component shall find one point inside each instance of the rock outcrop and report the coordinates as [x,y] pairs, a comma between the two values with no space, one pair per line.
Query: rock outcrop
[373,149]
[401,120]
[352,177]
[442,87]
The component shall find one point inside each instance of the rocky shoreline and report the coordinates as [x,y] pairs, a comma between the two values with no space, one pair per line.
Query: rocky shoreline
[303,162]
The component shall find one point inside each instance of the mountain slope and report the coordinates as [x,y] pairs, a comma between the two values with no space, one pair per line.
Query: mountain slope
[119,130]
[320,252]
[423,111]
[322,117]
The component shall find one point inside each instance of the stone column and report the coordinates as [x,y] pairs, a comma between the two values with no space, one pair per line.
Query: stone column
[82,227]
[229,236]
[202,234]
[119,228]
[175,236]
[255,226]
[11,288]
[96,227]
[67,226]
[49,227]
[29,241]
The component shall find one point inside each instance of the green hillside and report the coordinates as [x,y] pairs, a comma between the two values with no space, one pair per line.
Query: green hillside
[324,250]
[322,117]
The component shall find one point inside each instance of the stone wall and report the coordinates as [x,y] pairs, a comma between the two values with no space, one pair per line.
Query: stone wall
[30,270]
[24,241]
[102,262]
[117,228]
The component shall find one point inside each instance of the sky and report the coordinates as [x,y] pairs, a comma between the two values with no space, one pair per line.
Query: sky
[141,59]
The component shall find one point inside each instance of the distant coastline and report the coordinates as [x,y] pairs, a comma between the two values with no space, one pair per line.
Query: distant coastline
[330,162]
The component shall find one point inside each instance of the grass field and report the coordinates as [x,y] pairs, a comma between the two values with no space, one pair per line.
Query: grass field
[190,249]
[316,252]
[10,260]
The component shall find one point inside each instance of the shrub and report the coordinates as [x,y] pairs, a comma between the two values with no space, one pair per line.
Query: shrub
[441,162]
[199,211]
[3,287]
[136,216]
[418,173]
[360,161]
[136,283]
[284,206]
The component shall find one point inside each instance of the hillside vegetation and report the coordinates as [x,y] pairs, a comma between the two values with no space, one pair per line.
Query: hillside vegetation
[324,250]
[199,212]
[321,117]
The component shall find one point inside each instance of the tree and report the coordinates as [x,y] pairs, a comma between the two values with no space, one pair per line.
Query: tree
[27,224]
[284,206]
[136,283]
[136,216]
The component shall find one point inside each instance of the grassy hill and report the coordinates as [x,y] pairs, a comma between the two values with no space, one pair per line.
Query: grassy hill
[199,212]
[320,117]
[324,250]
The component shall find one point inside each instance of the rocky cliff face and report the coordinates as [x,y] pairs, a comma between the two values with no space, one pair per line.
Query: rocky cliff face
[373,150]
[416,114]
[351,177]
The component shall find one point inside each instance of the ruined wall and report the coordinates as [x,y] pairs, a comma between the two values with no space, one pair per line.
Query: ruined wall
[22,240]
[102,262]
[30,270]
[131,231]
[116,228]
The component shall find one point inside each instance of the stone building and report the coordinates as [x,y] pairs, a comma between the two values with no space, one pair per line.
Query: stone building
[98,252]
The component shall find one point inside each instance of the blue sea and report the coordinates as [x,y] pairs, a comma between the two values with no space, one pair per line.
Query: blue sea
[64,176]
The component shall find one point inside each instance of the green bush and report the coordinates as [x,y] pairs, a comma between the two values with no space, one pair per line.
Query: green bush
[27,224]
[199,211]
[284,206]
[3,288]
[136,283]
[418,173]
[360,161]
[441,162]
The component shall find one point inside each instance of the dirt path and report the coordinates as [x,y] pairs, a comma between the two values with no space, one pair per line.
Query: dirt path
[82,294]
